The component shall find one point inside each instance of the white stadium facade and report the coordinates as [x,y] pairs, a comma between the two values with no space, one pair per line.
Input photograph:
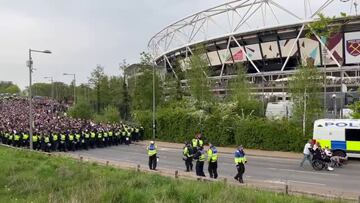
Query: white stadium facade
[268,38]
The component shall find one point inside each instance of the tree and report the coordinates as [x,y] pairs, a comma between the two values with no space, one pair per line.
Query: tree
[322,27]
[41,89]
[96,79]
[356,110]
[125,99]
[116,91]
[62,91]
[82,109]
[142,97]
[198,79]
[305,88]
[111,114]
[125,102]
[9,87]
[246,104]
[173,90]
[13,89]
[142,93]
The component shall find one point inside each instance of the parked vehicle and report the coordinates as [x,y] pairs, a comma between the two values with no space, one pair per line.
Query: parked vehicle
[342,136]
[279,110]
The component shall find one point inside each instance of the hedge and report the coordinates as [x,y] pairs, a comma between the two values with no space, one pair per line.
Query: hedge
[180,125]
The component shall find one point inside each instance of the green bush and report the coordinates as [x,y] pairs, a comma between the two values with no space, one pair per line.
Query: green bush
[81,109]
[110,115]
[269,135]
[222,129]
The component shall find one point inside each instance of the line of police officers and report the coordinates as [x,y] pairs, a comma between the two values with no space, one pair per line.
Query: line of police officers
[72,139]
[195,151]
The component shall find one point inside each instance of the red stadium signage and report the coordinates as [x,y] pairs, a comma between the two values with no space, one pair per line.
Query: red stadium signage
[353,47]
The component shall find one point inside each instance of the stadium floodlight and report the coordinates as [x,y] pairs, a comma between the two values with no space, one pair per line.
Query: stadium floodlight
[30,65]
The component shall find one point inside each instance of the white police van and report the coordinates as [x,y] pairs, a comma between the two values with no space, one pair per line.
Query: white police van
[342,136]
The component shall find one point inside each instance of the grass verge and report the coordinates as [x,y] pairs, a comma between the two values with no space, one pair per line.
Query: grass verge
[32,177]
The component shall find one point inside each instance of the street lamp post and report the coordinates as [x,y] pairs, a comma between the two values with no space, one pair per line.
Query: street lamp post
[30,65]
[154,105]
[304,113]
[73,74]
[52,92]
[335,107]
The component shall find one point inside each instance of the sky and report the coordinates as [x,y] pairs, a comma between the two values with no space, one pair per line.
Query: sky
[82,34]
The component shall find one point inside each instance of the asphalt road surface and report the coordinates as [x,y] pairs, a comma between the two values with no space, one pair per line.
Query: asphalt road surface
[267,170]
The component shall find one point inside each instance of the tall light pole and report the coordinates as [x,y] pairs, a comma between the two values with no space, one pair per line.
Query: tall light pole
[73,74]
[30,65]
[52,92]
[304,113]
[154,100]
[335,107]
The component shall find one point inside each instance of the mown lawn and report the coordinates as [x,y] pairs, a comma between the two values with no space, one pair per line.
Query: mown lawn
[32,177]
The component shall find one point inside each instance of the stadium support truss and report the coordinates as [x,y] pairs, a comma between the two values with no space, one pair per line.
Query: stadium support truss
[239,17]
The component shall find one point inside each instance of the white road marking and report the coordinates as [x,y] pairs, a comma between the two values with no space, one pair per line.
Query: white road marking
[308,172]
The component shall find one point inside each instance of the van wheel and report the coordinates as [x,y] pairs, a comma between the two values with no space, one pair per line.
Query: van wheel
[339,153]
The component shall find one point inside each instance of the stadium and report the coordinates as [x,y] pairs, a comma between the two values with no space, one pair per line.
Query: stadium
[269,38]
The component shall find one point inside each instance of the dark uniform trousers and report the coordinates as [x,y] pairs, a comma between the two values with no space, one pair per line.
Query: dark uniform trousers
[213,169]
[152,162]
[200,168]
[241,171]
[189,164]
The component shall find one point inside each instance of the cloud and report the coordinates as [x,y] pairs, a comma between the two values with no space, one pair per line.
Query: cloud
[82,34]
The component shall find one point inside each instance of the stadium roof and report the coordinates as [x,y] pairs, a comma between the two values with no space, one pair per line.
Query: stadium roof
[243,16]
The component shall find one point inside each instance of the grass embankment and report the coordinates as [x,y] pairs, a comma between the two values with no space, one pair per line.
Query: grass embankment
[33,177]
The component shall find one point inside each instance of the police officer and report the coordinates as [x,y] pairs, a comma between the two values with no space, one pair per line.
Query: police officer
[188,157]
[86,139]
[240,161]
[105,138]
[152,152]
[212,160]
[54,141]
[63,142]
[111,137]
[127,137]
[72,142]
[136,134]
[93,138]
[141,133]
[99,139]
[45,142]
[36,141]
[78,140]
[200,159]
[25,140]
[16,138]
[197,142]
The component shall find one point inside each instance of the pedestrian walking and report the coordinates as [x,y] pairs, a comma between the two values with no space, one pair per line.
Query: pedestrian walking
[240,161]
[152,153]
[306,152]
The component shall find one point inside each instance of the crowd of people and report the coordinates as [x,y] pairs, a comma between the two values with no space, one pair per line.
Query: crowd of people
[55,131]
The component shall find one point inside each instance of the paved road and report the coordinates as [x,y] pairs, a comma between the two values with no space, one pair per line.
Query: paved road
[273,171]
